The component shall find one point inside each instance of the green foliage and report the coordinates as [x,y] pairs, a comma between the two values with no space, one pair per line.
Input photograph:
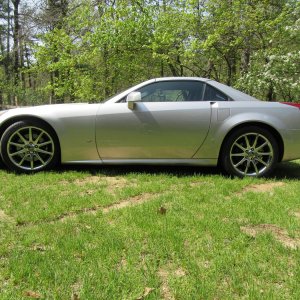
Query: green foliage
[101,47]
[276,65]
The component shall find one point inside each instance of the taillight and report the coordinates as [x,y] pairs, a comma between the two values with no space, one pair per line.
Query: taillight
[292,104]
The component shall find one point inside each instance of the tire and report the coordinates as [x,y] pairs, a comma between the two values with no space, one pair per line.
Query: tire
[1,163]
[250,152]
[29,146]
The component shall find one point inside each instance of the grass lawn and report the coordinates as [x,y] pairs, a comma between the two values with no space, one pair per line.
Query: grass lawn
[149,233]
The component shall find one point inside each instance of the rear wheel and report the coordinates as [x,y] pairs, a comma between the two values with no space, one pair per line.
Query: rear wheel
[250,151]
[29,146]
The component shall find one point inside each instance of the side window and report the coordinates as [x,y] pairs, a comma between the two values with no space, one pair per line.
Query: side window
[172,91]
[212,94]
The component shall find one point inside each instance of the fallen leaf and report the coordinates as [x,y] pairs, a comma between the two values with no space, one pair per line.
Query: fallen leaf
[162,210]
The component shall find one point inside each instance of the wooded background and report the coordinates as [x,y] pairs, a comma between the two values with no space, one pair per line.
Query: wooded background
[55,51]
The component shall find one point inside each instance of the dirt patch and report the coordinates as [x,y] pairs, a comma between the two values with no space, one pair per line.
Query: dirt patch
[164,273]
[263,188]
[165,289]
[147,291]
[76,288]
[115,183]
[136,200]
[279,234]
[197,183]
[4,218]
[180,272]
[71,215]
[88,180]
[122,264]
[112,182]
[260,188]
[297,214]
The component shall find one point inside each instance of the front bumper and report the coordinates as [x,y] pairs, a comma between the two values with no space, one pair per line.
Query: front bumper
[291,140]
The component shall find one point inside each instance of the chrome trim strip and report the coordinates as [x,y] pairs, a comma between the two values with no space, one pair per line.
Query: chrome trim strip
[184,162]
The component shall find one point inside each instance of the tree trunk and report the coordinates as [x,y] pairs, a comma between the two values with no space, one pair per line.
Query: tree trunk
[52,94]
[22,60]
[231,67]
[162,73]
[245,60]
[26,52]
[173,69]
[16,33]
[106,72]
[7,58]
[271,94]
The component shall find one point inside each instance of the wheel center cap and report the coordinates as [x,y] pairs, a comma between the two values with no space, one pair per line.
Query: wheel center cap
[251,154]
[30,148]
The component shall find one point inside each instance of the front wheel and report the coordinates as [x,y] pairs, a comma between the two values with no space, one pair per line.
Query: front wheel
[250,151]
[29,146]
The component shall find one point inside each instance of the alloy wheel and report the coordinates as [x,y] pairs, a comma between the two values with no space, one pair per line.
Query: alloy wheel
[251,154]
[30,148]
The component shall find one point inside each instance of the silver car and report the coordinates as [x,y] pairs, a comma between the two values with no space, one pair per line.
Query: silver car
[176,121]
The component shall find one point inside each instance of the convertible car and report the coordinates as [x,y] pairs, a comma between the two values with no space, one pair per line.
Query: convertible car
[187,121]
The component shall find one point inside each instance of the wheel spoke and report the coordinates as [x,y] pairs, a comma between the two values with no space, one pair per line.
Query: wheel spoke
[240,162]
[261,146]
[247,167]
[21,162]
[238,155]
[255,141]
[22,138]
[239,146]
[17,144]
[255,168]
[30,134]
[262,162]
[17,153]
[43,151]
[38,138]
[39,158]
[31,163]
[44,144]
[264,153]
[247,142]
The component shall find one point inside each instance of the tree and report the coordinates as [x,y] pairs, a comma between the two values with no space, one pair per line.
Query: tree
[274,67]
[65,51]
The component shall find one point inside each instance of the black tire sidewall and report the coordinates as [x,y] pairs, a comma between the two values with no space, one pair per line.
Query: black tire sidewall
[18,125]
[225,152]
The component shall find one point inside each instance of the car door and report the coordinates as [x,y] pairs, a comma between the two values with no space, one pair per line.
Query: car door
[171,122]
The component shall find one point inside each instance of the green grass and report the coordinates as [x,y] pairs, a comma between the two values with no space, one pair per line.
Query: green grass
[62,236]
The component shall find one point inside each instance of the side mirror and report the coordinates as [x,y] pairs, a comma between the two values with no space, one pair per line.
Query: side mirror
[132,98]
